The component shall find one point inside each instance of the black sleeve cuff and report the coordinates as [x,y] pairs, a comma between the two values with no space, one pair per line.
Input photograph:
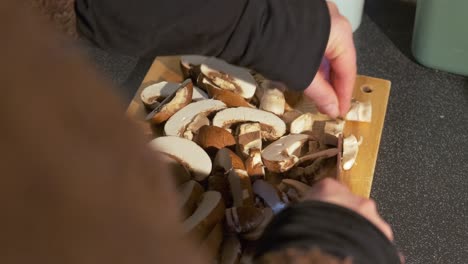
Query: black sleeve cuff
[331,228]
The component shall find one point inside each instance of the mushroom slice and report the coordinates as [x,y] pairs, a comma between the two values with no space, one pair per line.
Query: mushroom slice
[229,77]
[257,232]
[192,156]
[272,99]
[249,137]
[279,155]
[178,170]
[334,127]
[209,213]
[219,182]
[302,123]
[241,188]
[212,243]
[300,188]
[326,153]
[289,116]
[227,160]
[360,111]
[350,151]
[272,126]
[254,165]
[243,219]
[182,98]
[231,250]
[190,194]
[269,194]
[214,137]
[151,95]
[177,124]
[193,128]
[190,65]
[230,98]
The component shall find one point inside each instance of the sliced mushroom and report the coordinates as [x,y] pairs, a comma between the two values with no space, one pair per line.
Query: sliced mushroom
[227,160]
[190,66]
[327,153]
[350,151]
[249,137]
[254,165]
[229,77]
[272,126]
[194,126]
[230,98]
[192,156]
[212,243]
[279,155]
[334,127]
[302,123]
[243,219]
[176,169]
[272,99]
[153,94]
[289,116]
[182,98]
[241,188]
[214,137]
[219,182]
[269,194]
[190,194]
[257,232]
[209,213]
[360,111]
[177,124]
[231,250]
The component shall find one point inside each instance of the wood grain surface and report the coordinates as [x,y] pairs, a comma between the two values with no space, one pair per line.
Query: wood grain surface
[359,178]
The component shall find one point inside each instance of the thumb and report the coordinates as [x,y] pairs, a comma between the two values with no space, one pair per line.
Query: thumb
[322,93]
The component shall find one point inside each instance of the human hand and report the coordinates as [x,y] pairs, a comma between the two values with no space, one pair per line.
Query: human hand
[333,84]
[331,191]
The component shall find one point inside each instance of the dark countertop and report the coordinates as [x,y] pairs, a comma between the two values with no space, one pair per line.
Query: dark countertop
[421,178]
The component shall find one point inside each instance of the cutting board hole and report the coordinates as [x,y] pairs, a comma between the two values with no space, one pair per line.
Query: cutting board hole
[367,89]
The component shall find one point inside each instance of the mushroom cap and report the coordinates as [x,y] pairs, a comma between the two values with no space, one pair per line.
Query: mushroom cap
[194,126]
[241,188]
[160,90]
[209,213]
[279,155]
[302,123]
[190,194]
[187,152]
[214,137]
[254,164]
[182,98]
[227,160]
[272,126]
[225,75]
[177,124]
[350,151]
[230,98]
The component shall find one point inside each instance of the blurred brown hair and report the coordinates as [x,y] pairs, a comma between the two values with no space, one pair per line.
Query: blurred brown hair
[60,12]
[297,256]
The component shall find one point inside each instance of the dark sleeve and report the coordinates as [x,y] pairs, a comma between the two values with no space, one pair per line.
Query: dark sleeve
[330,228]
[283,39]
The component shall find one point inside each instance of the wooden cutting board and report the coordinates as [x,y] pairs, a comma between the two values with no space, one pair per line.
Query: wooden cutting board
[359,178]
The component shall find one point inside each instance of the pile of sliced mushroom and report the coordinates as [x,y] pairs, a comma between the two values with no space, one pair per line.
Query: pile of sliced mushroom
[245,153]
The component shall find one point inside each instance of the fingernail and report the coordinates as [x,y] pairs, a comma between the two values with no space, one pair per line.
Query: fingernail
[331,110]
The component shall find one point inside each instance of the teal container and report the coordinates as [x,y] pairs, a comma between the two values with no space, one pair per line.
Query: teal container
[440,37]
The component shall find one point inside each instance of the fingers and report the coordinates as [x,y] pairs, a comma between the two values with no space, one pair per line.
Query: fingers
[323,95]
[343,76]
